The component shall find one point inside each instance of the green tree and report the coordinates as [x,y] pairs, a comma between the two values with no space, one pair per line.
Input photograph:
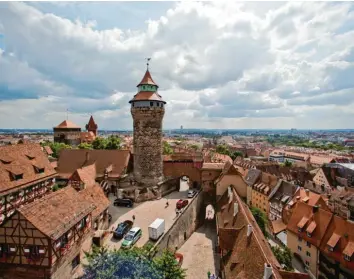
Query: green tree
[261,219]
[56,147]
[85,145]
[169,266]
[284,257]
[99,143]
[136,263]
[194,146]
[288,164]
[223,149]
[236,154]
[167,149]
[113,142]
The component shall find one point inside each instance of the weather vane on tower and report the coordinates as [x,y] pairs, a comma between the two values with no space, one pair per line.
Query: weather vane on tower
[147,62]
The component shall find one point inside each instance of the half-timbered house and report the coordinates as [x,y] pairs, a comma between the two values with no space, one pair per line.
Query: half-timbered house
[46,238]
[25,175]
[83,180]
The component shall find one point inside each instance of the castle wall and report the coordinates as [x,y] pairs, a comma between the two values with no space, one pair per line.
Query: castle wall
[148,166]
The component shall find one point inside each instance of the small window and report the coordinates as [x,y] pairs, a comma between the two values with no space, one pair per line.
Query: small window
[158,104]
[330,248]
[4,250]
[299,248]
[76,261]
[347,258]
[151,104]
[308,244]
[299,239]
[299,229]
[133,104]
[308,254]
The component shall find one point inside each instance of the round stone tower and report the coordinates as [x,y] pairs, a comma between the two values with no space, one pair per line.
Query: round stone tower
[147,109]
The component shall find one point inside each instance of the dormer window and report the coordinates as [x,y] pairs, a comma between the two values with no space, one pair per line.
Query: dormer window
[30,157]
[347,258]
[308,234]
[330,248]
[6,162]
[14,177]
[299,229]
[38,170]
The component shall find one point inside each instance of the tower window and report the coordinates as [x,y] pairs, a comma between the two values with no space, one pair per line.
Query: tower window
[158,104]
[133,104]
[151,104]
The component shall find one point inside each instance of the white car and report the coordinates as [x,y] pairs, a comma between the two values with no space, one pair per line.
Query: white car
[191,193]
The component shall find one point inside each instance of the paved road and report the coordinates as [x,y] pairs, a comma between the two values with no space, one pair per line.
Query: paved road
[145,213]
[198,253]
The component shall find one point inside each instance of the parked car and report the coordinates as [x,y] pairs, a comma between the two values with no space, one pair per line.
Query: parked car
[181,203]
[123,202]
[122,229]
[131,237]
[191,193]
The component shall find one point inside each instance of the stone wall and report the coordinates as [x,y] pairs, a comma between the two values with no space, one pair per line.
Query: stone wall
[147,141]
[190,219]
[179,169]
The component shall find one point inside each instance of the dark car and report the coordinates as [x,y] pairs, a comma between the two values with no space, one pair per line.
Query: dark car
[123,202]
[122,229]
[181,203]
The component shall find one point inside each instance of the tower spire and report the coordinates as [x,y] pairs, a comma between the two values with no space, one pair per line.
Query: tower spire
[147,63]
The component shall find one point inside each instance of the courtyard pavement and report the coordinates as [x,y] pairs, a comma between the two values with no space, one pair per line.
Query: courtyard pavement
[198,253]
[145,213]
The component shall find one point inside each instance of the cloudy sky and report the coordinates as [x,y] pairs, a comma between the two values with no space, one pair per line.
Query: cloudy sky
[218,64]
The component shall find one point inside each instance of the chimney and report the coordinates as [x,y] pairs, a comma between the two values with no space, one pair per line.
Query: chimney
[249,230]
[268,271]
[315,208]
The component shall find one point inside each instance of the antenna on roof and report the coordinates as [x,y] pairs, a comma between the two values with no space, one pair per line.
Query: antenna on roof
[147,62]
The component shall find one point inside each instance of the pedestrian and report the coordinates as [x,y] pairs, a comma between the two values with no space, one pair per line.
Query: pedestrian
[209,273]
[133,218]
[167,204]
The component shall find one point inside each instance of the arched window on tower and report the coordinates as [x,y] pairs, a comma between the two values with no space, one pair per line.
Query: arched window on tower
[151,104]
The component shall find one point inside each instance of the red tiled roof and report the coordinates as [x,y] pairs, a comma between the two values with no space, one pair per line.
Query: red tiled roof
[48,150]
[67,124]
[247,254]
[21,159]
[72,159]
[302,214]
[147,79]
[94,194]
[57,212]
[147,96]
[340,236]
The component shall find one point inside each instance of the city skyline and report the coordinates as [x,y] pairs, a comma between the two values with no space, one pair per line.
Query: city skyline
[219,65]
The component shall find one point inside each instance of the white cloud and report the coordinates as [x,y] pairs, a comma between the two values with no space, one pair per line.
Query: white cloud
[218,64]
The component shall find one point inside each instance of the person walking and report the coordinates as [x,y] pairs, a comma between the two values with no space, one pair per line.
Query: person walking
[133,218]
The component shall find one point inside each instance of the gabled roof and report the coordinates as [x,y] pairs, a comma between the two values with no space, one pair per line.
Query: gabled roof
[86,175]
[147,79]
[67,124]
[248,254]
[72,159]
[310,220]
[57,212]
[94,194]
[340,236]
[21,159]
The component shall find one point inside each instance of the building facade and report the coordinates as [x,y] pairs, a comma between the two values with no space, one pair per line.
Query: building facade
[69,133]
[25,175]
[147,109]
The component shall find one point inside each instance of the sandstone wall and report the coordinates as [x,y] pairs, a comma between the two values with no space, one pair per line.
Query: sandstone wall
[179,169]
[147,141]
[189,220]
